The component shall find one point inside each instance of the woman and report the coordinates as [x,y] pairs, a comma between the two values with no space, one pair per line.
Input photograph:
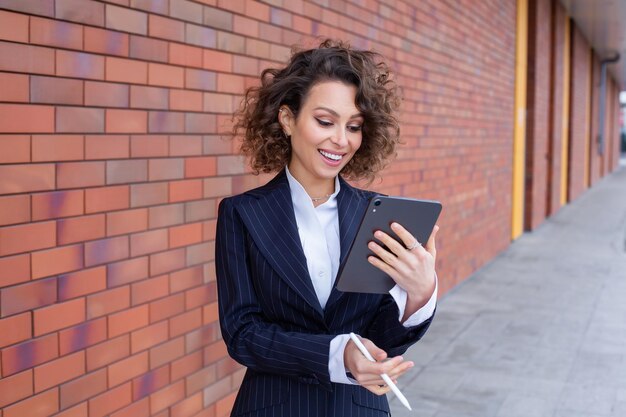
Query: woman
[330,111]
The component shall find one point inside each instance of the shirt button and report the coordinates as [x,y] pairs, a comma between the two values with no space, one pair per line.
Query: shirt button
[321,273]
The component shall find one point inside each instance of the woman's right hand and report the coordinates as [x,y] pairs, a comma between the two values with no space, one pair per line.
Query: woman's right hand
[368,373]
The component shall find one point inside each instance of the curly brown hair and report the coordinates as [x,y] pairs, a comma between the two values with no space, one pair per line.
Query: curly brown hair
[377,98]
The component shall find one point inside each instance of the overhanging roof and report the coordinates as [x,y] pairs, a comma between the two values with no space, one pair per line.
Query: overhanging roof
[603,22]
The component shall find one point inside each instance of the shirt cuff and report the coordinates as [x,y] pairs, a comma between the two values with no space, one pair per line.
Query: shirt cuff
[336,367]
[421,315]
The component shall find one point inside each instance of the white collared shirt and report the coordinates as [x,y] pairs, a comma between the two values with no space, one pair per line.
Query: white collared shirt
[322,251]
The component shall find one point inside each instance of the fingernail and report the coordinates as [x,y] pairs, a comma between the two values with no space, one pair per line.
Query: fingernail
[378,233]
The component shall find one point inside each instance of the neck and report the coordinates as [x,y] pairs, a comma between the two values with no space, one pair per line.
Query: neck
[315,187]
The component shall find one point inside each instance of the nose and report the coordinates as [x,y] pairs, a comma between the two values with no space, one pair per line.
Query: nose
[339,138]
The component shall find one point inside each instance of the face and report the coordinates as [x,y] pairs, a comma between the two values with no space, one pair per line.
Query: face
[326,133]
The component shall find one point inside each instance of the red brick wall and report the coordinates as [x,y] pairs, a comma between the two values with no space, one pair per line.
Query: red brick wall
[595,159]
[579,123]
[111,167]
[539,96]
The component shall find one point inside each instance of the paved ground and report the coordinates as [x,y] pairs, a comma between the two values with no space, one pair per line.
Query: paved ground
[541,330]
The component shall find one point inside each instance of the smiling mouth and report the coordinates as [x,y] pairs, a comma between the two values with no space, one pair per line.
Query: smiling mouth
[331,156]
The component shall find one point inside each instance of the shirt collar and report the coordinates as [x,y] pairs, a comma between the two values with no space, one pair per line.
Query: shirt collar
[299,195]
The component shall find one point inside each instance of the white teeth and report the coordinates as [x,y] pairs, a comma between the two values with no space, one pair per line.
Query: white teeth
[331,156]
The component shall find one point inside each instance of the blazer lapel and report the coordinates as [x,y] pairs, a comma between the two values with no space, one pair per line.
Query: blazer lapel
[351,205]
[272,224]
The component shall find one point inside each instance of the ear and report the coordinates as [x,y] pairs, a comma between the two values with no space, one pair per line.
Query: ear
[286,119]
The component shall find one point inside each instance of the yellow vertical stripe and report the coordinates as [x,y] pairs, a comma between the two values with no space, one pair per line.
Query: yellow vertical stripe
[519,134]
[565,118]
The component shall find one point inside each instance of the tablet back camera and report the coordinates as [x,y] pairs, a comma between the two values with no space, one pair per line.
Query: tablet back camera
[376,204]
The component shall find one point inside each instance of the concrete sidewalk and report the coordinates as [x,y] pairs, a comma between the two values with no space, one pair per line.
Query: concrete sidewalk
[541,330]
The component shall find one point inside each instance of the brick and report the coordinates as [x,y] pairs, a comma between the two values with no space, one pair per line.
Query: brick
[188,407]
[78,410]
[127,369]
[107,146]
[185,190]
[210,313]
[258,10]
[231,165]
[200,123]
[80,174]
[167,307]
[28,354]
[55,33]
[148,337]
[82,388]
[200,36]
[83,282]
[79,65]
[16,269]
[224,405]
[26,58]
[217,187]
[108,352]
[185,100]
[106,94]
[48,148]
[231,42]
[126,121]
[59,370]
[106,250]
[140,408]
[200,296]
[217,60]
[126,70]
[14,149]
[166,215]
[57,204]
[218,19]
[148,242]
[185,145]
[26,118]
[208,229]
[126,20]
[41,8]
[40,405]
[79,337]
[186,365]
[125,171]
[155,6]
[165,28]
[126,272]
[80,229]
[246,65]
[149,290]
[167,396]
[184,235]
[201,337]
[148,49]
[218,103]
[13,27]
[166,169]
[149,97]
[80,11]
[112,400]
[27,237]
[199,210]
[128,320]
[147,146]
[59,316]
[16,387]
[200,253]
[185,55]
[167,352]
[14,87]
[200,167]
[163,262]
[107,198]
[166,122]
[79,120]
[13,330]
[166,75]
[14,209]
[199,79]
[257,48]
[149,194]
[186,322]
[56,261]
[186,10]
[106,42]
[128,221]
[201,379]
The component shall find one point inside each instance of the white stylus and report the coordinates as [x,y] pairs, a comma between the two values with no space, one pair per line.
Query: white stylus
[385,377]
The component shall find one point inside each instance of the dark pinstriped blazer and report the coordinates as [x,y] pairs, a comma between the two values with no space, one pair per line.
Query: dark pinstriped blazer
[272,321]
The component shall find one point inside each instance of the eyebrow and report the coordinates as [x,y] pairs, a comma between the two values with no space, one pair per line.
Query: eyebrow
[334,113]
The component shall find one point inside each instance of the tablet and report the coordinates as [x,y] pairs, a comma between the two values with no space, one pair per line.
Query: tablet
[356,274]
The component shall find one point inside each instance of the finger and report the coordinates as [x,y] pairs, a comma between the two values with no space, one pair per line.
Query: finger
[400,370]
[430,245]
[383,266]
[382,253]
[394,246]
[378,390]
[407,238]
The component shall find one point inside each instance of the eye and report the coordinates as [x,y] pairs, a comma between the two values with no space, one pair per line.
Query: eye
[324,123]
[355,128]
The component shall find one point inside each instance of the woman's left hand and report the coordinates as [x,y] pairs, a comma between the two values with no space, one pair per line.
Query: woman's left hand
[413,270]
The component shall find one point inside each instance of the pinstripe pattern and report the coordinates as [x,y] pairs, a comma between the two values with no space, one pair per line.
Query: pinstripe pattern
[272,321]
